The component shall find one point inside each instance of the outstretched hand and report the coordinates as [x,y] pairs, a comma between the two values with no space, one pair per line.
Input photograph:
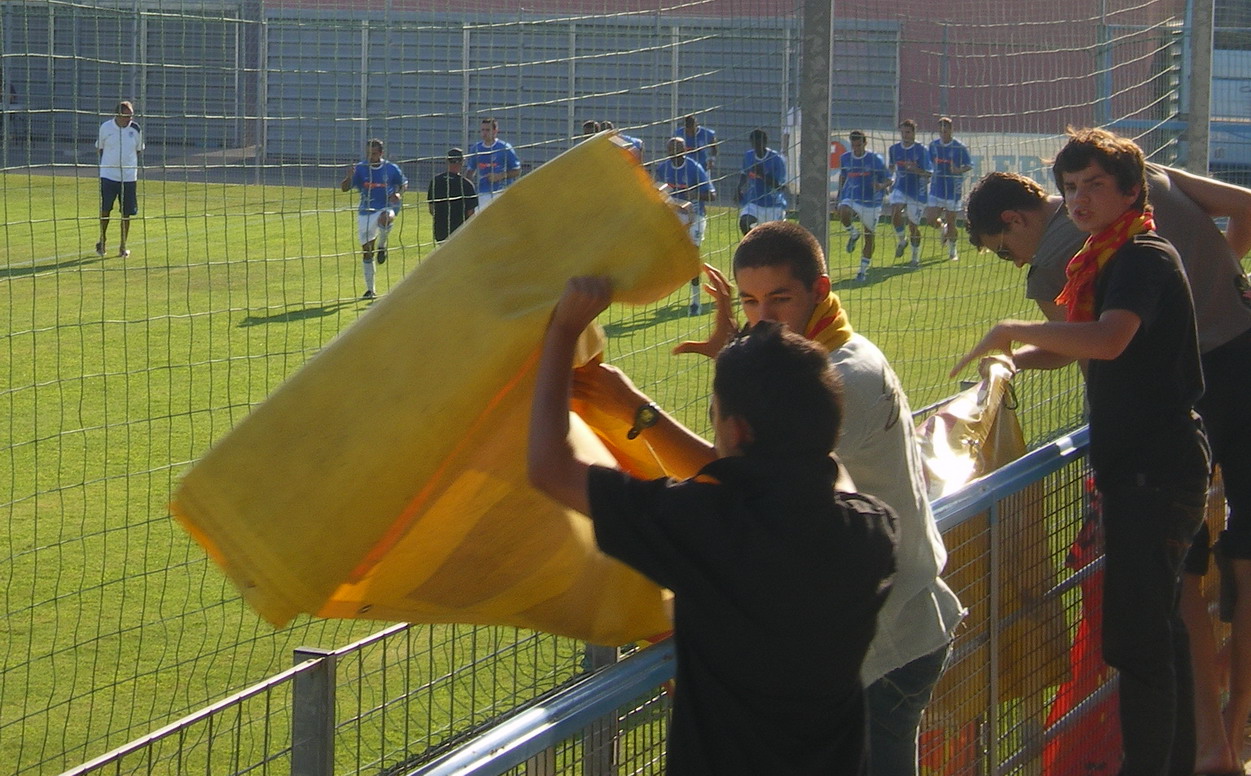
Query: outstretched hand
[724,325]
[999,338]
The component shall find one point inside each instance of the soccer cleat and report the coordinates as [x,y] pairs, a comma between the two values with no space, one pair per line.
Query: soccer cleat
[381,256]
[862,275]
[899,249]
[914,263]
[124,253]
[99,249]
[851,242]
[369,295]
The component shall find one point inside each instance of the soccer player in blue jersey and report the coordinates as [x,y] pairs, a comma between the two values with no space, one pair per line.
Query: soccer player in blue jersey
[636,145]
[862,179]
[691,183]
[761,184]
[494,163]
[951,161]
[910,162]
[382,187]
[701,143]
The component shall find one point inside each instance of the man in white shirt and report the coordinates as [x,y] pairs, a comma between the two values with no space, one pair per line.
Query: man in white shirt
[118,147]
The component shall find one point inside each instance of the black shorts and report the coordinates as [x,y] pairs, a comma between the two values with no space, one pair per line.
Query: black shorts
[111,191]
[1226,413]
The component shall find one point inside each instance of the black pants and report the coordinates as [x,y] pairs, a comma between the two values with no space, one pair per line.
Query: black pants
[1147,531]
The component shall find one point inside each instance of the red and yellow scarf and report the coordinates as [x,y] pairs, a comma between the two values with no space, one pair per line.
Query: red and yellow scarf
[1083,269]
[829,326]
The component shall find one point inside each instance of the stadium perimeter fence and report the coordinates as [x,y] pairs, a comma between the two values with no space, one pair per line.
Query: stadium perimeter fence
[118,373]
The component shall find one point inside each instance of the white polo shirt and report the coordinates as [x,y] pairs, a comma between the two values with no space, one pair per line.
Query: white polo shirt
[121,147]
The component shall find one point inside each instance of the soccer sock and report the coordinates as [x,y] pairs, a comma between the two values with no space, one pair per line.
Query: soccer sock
[694,290]
[864,263]
[916,250]
[901,236]
[368,266]
[853,232]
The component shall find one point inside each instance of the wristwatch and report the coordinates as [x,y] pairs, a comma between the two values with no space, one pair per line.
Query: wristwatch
[644,418]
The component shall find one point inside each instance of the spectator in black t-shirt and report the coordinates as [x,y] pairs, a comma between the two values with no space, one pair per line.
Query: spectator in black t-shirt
[451,198]
[1130,314]
[777,575]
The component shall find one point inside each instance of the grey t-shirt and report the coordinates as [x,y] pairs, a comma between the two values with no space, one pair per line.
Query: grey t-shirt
[1217,281]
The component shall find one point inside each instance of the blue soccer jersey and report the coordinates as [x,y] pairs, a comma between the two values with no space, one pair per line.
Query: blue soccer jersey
[858,174]
[765,178]
[910,183]
[699,144]
[687,181]
[496,158]
[377,184]
[947,184]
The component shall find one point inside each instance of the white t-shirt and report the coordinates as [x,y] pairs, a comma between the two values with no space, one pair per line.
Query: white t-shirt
[121,147]
[878,446]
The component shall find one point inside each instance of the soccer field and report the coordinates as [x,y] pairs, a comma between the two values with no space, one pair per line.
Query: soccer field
[121,372]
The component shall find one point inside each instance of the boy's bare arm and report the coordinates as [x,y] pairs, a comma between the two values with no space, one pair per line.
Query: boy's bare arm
[551,464]
[1218,199]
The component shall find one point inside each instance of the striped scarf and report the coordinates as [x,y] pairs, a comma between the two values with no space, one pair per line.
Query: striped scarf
[829,326]
[1083,269]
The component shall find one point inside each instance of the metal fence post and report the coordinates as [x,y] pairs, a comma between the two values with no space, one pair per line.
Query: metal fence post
[599,741]
[312,714]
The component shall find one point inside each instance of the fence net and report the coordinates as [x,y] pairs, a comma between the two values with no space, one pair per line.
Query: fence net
[244,259]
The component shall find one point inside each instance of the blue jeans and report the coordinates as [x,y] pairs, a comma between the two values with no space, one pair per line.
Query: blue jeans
[895,703]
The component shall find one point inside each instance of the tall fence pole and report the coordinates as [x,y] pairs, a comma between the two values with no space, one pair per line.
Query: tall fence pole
[814,101]
[1199,80]
[312,722]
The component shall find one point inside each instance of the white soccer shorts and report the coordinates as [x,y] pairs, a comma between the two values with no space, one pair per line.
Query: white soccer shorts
[914,209]
[367,224]
[868,214]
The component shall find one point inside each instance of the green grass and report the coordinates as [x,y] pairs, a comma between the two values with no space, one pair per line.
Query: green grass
[120,372]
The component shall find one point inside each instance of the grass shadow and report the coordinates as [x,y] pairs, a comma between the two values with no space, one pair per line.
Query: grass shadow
[34,268]
[290,316]
[647,318]
[880,274]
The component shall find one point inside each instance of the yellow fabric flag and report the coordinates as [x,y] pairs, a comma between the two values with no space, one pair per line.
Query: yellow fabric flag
[386,478]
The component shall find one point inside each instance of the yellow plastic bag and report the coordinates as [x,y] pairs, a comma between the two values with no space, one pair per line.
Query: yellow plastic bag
[386,478]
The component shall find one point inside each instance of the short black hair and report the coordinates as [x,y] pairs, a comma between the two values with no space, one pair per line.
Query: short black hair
[783,385]
[491,120]
[782,243]
[1119,157]
[759,133]
[590,125]
[995,194]
[375,142]
[908,123]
